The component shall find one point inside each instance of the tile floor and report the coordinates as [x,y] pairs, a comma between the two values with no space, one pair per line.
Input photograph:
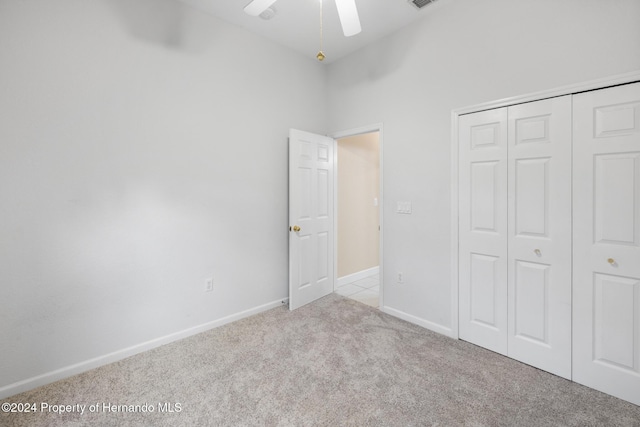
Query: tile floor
[365,290]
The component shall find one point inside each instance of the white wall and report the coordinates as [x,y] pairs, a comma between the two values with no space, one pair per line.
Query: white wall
[463,52]
[143,148]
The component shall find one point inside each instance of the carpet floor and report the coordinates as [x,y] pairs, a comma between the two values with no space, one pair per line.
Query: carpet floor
[331,363]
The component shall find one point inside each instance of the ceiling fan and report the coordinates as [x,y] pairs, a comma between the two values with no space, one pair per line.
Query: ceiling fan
[347,12]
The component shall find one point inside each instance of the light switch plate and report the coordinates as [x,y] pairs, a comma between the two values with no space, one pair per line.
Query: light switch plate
[404,207]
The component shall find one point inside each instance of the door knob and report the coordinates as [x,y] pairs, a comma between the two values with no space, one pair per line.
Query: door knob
[296,228]
[538,252]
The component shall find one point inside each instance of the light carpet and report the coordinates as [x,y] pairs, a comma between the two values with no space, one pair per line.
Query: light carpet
[333,362]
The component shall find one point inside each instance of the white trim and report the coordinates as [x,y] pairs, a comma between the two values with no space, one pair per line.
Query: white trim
[381,215]
[335,212]
[78,368]
[376,127]
[359,275]
[560,91]
[435,327]
[455,240]
[456,113]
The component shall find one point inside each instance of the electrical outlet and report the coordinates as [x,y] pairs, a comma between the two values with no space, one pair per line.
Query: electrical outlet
[208,287]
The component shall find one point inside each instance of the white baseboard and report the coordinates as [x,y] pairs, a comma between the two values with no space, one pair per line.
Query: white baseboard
[87,365]
[357,276]
[435,327]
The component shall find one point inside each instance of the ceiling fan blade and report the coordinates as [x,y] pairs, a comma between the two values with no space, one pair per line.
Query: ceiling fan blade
[256,7]
[349,19]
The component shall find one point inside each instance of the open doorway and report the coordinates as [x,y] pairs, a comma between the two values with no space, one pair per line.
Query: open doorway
[358,219]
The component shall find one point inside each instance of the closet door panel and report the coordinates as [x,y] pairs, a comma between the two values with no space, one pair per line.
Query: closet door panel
[531,308]
[483,229]
[606,290]
[615,215]
[539,236]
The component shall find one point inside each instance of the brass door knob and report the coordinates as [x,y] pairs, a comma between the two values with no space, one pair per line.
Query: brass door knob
[296,228]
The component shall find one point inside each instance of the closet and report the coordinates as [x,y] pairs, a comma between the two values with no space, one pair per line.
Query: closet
[549,235]
[515,232]
[606,240]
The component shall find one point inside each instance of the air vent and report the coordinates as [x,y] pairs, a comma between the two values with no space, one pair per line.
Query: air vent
[419,4]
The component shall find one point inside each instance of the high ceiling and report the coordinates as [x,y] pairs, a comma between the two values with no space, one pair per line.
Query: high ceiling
[296,23]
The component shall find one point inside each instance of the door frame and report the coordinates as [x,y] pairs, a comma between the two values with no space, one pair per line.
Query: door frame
[615,80]
[376,127]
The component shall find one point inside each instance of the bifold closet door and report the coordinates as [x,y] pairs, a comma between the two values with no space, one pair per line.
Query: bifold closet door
[483,229]
[606,224]
[515,232]
[539,243]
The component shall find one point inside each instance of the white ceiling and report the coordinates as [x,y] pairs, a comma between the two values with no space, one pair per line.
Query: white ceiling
[296,24]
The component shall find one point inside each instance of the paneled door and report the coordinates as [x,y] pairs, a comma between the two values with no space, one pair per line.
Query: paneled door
[539,260]
[606,229]
[310,217]
[483,229]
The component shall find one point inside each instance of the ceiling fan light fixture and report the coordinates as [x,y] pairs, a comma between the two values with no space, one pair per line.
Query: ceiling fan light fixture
[269,13]
[256,7]
[349,18]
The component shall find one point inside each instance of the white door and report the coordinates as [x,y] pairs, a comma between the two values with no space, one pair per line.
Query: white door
[310,217]
[606,228]
[539,260]
[483,229]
